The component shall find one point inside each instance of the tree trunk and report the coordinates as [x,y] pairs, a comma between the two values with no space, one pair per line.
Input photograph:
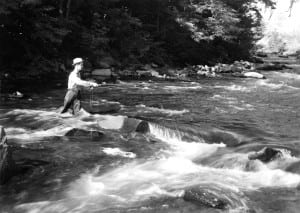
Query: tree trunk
[61,8]
[68,9]
[157,23]
[291,7]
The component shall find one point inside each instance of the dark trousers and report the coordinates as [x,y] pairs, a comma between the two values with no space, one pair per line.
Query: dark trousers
[72,100]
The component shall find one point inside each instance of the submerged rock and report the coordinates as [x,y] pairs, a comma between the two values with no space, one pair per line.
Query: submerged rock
[271,66]
[101,107]
[265,155]
[262,54]
[204,197]
[84,133]
[7,164]
[135,125]
[143,127]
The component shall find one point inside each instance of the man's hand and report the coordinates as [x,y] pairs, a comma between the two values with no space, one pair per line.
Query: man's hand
[94,84]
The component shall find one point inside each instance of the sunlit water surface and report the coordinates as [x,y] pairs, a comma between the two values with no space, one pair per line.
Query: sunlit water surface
[200,136]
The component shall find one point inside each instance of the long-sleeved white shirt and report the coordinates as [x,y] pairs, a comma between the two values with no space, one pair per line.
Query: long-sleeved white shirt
[74,79]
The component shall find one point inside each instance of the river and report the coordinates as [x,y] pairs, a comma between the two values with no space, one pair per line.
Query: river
[201,134]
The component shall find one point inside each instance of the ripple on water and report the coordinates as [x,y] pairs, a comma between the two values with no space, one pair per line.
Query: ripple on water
[206,150]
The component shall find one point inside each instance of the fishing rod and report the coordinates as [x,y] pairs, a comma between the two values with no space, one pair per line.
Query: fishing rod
[91,96]
[95,87]
[104,85]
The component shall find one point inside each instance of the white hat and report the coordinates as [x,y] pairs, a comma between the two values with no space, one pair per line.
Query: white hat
[77,61]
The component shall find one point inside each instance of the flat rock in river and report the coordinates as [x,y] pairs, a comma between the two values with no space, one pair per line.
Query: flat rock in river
[7,164]
[100,107]
[84,133]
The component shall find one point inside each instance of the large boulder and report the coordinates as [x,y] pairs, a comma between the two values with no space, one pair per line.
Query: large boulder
[7,164]
[205,198]
[143,127]
[124,124]
[265,155]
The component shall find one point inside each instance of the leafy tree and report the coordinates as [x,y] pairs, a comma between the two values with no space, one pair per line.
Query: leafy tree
[31,33]
[40,35]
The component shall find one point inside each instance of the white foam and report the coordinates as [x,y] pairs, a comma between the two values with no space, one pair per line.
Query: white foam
[15,130]
[288,75]
[164,175]
[87,185]
[283,161]
[242,108]
[140,180]
[234,88]
[266,83]
[240,161]
[190,150]
[271,178]
[221,97]
[163,111]
[183,87]
[119,152]
[35,134]
[153,189]
[31,112]
[50,123]
[167,175]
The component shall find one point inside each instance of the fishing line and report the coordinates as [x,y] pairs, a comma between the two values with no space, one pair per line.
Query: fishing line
[91,97]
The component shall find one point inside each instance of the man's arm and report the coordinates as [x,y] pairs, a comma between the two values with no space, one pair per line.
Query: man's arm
[84,83]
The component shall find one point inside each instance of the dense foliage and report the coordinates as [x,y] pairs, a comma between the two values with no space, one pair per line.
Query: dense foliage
[40,37]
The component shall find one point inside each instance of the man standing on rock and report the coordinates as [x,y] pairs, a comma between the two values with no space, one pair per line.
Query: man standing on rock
[72,97]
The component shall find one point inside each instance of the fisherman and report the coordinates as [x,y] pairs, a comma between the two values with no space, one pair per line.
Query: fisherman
[72,97]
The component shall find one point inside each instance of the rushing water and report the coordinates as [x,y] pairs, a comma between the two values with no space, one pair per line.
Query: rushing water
[200,135]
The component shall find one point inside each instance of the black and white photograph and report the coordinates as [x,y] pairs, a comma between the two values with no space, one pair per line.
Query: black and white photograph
[149,106]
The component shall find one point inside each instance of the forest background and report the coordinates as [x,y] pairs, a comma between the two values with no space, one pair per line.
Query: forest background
[39,38]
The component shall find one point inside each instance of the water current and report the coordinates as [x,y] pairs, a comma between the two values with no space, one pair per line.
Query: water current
[200,135]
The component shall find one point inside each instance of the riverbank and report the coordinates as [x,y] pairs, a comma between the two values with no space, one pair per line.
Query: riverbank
[152,72]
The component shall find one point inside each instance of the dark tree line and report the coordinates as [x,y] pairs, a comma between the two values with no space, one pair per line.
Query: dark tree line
[39,37]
